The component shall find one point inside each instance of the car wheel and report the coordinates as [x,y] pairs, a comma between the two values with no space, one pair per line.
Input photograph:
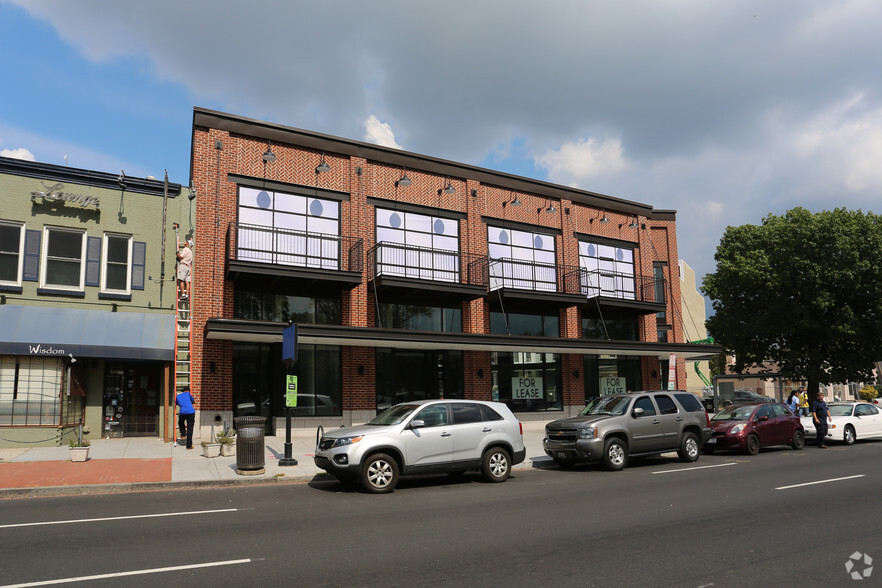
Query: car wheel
[689,448]
[379,473]
[496,465]
[849,437]
[615,454]
[798,440]
[753,445]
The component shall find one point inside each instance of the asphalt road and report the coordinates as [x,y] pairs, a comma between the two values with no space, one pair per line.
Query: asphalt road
[782,518]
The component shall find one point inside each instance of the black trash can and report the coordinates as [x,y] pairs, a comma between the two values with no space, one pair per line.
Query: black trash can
[250,452]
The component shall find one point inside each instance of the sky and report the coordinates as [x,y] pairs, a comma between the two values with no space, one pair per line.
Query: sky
[723,110]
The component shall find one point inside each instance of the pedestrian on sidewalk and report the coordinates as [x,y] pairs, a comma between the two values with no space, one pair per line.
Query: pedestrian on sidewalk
[820,416]
[185,265]
[186,415]
[793,402]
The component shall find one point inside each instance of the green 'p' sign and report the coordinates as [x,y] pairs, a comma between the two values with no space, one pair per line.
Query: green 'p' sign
[291,392]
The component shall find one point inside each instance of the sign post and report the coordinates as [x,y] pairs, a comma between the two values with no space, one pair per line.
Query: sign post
[672,372]
[289,356]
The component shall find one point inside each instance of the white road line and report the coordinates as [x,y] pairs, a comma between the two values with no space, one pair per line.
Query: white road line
[131,573]
[146,516]
[721,465]
[820,482]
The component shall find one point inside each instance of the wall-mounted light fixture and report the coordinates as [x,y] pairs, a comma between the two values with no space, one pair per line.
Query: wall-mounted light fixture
[269,156]
[474,193]
[604,219]
[512,200]
[403,181]
[192,194]
[551,208]
[448,189]
[121,180]
[634,224]
[322,167]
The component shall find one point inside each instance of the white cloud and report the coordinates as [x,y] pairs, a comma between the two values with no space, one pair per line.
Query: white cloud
[20,153]
[379,133]
[578,162]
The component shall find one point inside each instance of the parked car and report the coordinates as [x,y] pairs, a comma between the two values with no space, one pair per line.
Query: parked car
[749,427]
[421,437]
[613,428]
[742,396]
[850,421]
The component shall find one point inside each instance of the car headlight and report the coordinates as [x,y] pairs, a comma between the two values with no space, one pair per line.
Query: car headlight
[736,429]
[343,441]
[588,433]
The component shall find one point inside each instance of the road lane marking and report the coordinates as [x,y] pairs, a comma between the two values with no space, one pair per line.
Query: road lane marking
[131,573]
[146,516]
[721,465]
[820,482]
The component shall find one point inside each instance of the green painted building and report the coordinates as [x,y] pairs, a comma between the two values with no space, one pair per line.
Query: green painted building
[89,323]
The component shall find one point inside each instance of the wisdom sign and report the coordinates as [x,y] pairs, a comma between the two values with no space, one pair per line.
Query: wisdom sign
[526,388]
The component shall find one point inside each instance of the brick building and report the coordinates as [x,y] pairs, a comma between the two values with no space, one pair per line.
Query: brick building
[415,277]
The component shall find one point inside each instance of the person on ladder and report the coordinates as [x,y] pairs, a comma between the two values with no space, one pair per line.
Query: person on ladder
[185,264]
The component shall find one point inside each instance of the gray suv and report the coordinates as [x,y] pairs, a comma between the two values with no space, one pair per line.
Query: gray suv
[613,428]
[422,437]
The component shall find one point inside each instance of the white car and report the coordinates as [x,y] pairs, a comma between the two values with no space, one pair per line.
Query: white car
[850,421]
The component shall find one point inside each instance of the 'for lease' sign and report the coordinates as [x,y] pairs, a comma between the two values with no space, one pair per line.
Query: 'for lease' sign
[528,388]
[612,386]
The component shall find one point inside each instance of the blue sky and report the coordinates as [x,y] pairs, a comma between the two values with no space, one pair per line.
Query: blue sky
[723,110]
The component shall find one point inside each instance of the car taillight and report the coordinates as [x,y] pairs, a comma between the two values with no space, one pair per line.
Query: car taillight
[707,416]
[521,425]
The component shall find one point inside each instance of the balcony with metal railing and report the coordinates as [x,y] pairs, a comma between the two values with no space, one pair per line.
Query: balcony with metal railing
[256,250]
[619,290]
[408,271]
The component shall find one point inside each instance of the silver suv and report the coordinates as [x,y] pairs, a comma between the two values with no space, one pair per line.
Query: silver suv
[613,428]
[424,437]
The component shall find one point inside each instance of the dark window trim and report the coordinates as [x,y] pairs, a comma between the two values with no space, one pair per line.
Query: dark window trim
[296,189]
[415,208]
[11,289]
[105,296]
[55,292]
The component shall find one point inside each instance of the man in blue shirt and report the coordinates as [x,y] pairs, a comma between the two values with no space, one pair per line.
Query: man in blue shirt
[820,416]
[186,414]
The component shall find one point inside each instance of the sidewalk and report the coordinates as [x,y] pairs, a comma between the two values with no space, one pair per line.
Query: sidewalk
[137,464]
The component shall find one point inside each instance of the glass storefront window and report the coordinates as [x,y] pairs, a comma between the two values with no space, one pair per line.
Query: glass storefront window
[404,375]
[524,324]
[420,318]
[283,308]
[621,329]
[603,373]
[527,382]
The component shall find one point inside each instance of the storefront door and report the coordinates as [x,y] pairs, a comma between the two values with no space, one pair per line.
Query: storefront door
[132,400]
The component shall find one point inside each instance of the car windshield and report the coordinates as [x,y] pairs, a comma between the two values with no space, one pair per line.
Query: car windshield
[394,415]
[734,413]
[606,405]
[840,409]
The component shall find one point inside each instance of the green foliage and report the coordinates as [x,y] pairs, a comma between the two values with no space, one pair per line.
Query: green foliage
[868,393]
[76,443]
[802,290]
[225,437]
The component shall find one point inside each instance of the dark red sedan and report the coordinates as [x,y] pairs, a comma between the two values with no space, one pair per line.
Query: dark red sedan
[749,427]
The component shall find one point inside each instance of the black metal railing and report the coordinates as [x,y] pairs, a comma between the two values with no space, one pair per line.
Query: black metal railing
[291,247]
[609,284]
[440,265]
[519,274]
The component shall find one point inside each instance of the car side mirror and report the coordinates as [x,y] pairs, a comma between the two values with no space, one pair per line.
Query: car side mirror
[763,418]
[417,424]
[638,412]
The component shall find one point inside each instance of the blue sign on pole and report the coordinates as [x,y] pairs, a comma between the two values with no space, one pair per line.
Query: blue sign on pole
[289,346]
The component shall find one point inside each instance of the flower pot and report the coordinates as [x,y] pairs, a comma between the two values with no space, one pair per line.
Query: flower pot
[211,449]
[228,449]
[79,453]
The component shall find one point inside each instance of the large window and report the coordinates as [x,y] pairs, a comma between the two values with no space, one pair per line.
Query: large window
[607,373]
[11,247]
[117,264]
[624,329]
[420,318]
[417,245]
[410,374]
[30,391]
[609,271]
[536,325]
[283,308]
[527,382]
[289,229]
[521,259]
[63,265]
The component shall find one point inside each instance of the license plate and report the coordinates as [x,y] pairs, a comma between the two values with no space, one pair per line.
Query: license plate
[561,455]
[711,441]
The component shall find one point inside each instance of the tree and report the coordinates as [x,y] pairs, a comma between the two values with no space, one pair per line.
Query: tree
[802,290]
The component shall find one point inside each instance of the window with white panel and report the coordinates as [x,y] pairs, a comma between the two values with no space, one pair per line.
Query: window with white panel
[610,270]
[417,245]
[521,259]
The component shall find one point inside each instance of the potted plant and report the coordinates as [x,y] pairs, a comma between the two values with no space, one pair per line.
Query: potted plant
[79,450]
[227,440]
[210,449]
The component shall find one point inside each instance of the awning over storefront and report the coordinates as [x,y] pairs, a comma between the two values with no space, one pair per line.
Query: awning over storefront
[39,331]
[240,330]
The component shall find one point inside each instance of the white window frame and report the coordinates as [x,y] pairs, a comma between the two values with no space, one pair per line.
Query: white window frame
[21,243]
[104,263]
[44,259]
